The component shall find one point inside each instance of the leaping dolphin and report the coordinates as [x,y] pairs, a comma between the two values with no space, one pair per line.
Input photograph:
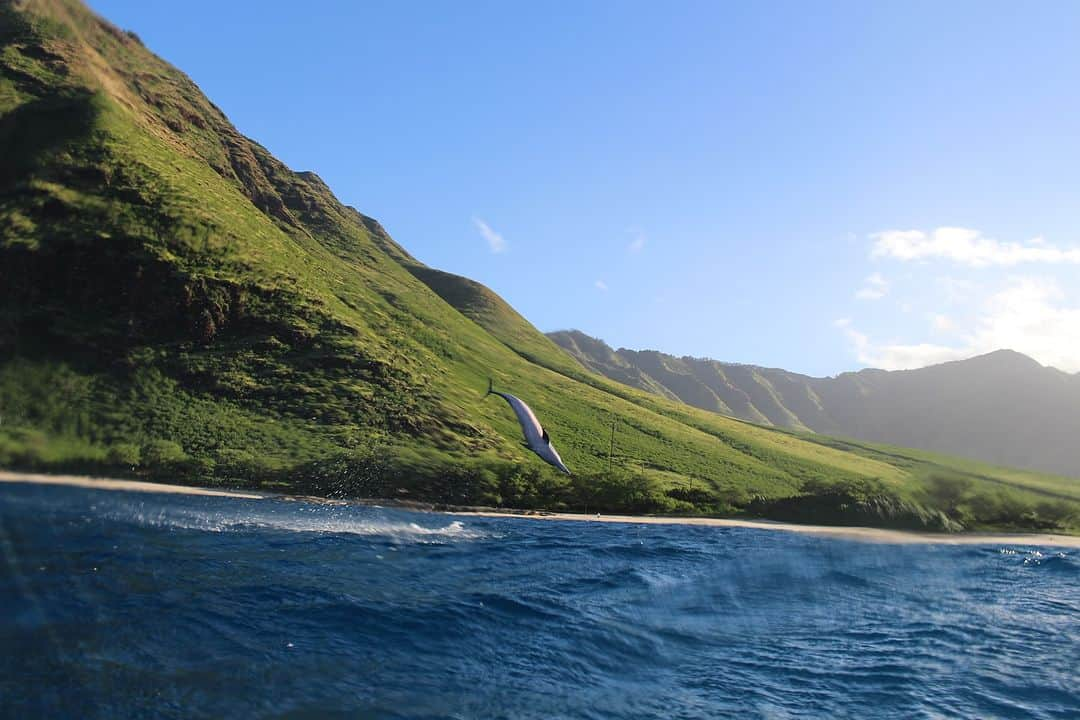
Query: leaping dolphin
[536,437]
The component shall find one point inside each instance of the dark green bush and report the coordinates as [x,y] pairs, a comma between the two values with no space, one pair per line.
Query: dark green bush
[163,456]
[122,454]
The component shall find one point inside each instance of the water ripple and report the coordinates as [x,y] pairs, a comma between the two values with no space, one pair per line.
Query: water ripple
[123,605]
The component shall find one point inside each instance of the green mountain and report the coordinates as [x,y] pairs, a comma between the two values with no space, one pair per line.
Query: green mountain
[1002,408]
[176,303]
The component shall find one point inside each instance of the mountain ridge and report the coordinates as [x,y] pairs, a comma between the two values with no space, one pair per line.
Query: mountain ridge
[1002,407]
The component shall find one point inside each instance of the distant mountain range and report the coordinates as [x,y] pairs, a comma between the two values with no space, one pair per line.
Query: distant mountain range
[1003,408]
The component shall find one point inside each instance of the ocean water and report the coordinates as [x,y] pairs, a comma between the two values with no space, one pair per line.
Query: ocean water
[121,604]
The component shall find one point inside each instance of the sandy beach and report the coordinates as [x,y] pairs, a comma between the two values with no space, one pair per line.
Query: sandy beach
[112,484]
[864,534]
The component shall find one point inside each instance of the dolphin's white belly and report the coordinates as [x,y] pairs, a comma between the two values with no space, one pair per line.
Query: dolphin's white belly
[535,437]
[530,426]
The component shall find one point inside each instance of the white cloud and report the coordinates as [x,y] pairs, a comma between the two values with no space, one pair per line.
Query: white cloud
[904,357]
[956,290]
[941,323]
[896,357]
[874,287]
[967,247]
[495,241]
[638,243]
[600,285]
[1029,315]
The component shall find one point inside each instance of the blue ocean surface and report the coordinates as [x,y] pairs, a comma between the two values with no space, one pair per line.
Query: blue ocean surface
[120,604]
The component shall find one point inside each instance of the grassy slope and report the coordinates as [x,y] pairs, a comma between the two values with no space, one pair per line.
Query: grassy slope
[976,493]
[176,301]
[1002,408]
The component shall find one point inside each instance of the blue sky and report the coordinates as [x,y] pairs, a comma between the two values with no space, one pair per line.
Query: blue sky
[814,186]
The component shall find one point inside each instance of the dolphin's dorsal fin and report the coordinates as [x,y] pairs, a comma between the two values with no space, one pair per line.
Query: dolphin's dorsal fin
[545,436]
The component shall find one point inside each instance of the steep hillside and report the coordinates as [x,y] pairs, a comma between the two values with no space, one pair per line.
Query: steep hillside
[175,302]
[491,312]
[1002,408]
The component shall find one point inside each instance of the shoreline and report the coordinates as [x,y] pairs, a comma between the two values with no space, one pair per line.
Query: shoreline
[863,534]
[843,532]
[102,483]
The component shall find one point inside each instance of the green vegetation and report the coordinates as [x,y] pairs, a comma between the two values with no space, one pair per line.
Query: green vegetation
[178,305]
[1003,407]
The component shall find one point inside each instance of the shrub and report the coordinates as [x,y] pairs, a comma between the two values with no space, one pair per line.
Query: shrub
[693,495]
[947,491]
[124,454]
[236,463]
[163,455]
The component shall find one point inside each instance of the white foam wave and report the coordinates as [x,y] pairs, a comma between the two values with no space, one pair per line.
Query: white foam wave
[1036,557]
[330,521]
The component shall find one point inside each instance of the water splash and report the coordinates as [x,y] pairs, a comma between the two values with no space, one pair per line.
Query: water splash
[273,515]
